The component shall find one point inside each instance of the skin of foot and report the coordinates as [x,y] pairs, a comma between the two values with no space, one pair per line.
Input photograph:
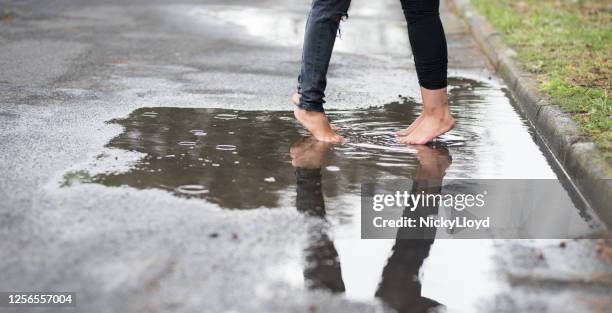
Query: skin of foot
[296,100]
[415,123]
[316,123]
[434,121]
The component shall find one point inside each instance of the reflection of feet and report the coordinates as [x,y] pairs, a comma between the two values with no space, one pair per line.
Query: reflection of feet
[433,162]
[309,153]
[316,122]
[415,123]
[430,127]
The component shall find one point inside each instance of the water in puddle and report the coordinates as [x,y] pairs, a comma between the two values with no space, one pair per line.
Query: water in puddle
[254,159]
[245,158]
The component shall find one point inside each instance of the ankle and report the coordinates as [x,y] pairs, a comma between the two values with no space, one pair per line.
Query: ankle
[303,111]
[439,111]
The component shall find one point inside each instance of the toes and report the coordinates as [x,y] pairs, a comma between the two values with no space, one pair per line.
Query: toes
[334,139]
[413,141]
[404,140]
[421,141]
[403,132]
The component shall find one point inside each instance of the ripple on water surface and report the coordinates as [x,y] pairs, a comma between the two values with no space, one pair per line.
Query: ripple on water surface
[225,147]
[270,144]
[191,189]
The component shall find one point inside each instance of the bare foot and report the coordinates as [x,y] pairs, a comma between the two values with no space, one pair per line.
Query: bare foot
[435,118]
[415,123]
[317,124]
[430,127]
[296,100]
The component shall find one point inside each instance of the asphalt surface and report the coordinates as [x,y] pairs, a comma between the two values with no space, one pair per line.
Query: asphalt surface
[70,67]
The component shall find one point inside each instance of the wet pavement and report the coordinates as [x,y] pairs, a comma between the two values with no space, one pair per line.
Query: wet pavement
[150,163]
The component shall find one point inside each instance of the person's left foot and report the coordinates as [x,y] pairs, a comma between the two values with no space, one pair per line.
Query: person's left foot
[430,127]
[413,126]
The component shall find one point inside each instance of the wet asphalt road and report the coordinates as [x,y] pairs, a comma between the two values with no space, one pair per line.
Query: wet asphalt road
[69,67]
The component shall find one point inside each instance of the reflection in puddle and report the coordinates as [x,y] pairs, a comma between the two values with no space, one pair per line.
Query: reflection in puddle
[243,161]
[234,153]
[399,286]
[191,189]
[260,159]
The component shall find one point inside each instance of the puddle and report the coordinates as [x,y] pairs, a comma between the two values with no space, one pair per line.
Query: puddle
[262,159]
[244,159]
[233,153]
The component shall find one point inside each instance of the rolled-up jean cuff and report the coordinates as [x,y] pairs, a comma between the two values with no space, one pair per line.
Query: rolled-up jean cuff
[309,106]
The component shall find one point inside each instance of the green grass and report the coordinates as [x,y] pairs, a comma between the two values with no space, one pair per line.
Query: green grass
[567,44]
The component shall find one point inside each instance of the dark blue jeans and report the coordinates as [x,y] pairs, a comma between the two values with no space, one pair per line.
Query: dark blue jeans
[426,34]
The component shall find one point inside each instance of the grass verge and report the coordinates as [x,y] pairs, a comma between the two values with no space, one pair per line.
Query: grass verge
[567,44]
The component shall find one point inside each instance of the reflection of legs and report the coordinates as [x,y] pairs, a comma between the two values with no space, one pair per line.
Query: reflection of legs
[433,163]
[322,269]
[319,39]
[428,44]
[322,263]
[400,287]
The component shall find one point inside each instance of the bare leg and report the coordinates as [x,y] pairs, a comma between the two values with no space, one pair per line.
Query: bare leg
[435,119]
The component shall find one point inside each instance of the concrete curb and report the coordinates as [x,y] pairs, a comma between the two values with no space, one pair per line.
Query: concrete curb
[580,159]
